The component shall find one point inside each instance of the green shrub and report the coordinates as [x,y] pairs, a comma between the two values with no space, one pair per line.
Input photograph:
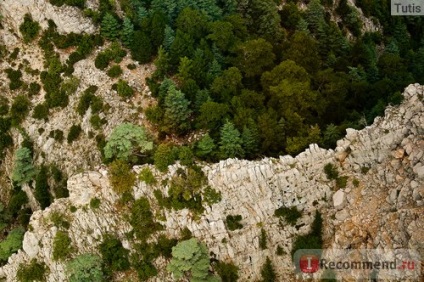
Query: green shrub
[164,157]
[186,234]
[61,245]
[355,182]
[141,219]
[291,215]
[23,170]
[233,222]
[123,89]
[131,66]
[74,133]
[96,122]
[4,106]
[313,240]
[227,271]
[59,220]
[42,188]
[11,244]
[29,28]
[16,202]
[95,203]
[211,196]
[14,55]
[73,209]
[331,171]
[263,240]
[19,109]
[87,99]
[268,272]
[41,112]
[280,251]
[57,135]
[341,181]
[34,271]
[121,177]
[76,3]
[15,78]
[102,61]
[185,155]
[147,176]
[115,256]
[85,267]
[114,71]
[365,169]
[34,88]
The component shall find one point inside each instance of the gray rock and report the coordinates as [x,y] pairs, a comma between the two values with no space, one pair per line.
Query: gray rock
[339,200]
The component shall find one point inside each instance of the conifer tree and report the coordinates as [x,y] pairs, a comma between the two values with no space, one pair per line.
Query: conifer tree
[127,34]
[268,272]
[231,142]
[205,146]
[23,170]
[41,192]
[168,38]
[110,27]
[177,109]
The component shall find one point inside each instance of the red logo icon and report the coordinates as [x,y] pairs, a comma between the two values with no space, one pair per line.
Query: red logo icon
[309,263]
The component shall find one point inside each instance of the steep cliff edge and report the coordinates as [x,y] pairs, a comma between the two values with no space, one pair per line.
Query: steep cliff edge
[380,206]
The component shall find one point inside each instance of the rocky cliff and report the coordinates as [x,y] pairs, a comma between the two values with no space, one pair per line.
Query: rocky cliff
[380,206]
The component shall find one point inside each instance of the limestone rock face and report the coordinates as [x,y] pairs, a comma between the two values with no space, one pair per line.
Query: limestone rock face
[380,207]
[68,19]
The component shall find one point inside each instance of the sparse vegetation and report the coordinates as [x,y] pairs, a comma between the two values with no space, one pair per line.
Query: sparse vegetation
[291,215]
[34,271]
[233,222]
[74,133]
[147,176]
[331,171]
[121,177]
[61,245]
[29,28]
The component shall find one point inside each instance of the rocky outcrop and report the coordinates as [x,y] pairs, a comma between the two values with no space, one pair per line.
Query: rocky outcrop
[68,19]
[381,205]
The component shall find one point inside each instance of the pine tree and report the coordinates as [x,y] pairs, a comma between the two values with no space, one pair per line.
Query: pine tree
[168,38]
[141,47]
[110,27]
[42,188]
[250,141]
[268,272]
[177,109]
[127,34]
[231,142]
[142,14]
[205,146]
[23,170]
[315,14]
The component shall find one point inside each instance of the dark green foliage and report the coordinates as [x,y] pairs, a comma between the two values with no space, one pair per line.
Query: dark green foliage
[263,240]
[331,171]
[76,3]
[102,61]
[88,99]
[19,109]
[61,245]
[29,28]
[74,133]
[4,106]
[115,256]
[34,271]
[127,33]
[42,188]
[16,202]
[231,142]
[41,112]
[124,90]
[291,215]
[227,271]
[233,222]
[15,78]
[164,157]
[95,203]
[142,220]
[313,240]
[114,71]
[85,267]
[341,181]
[268,272]
[147,176]
[141,47]
[23,170]
[280,251]
[211,196]
[57,135]
[110,27]
[59,220]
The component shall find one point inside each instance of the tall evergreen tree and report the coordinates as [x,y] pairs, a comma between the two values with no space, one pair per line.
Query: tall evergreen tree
[127,34]
[42,193]
[169,38]
[110,27]
[231,142]
[177,111]
[23,170]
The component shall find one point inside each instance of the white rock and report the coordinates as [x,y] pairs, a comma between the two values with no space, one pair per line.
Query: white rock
[339,200]
[30,244]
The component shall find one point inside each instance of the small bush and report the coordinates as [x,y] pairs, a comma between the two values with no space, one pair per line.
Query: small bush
[124,90]
[29,28]
[365,169]
[74,133]
[19,109]
[233,222]
[96,122]
[131,66]
[268,272]
[34,271]
[11,244]
[85,267]
[41,112]
[34,88]
[115,256]
[4,106]
[291,215]
[211,196]
[102,61]
[147,176]
[141,219]
[164,157]
[59,220]
[73,209]
[263,240]
[114,71]
[121,177]
[95,203]
[313,240]
[15,78]
[331,171]
[355,182]
[227,271]
[341,181]
[57,135]
[61,245]
[280,251]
